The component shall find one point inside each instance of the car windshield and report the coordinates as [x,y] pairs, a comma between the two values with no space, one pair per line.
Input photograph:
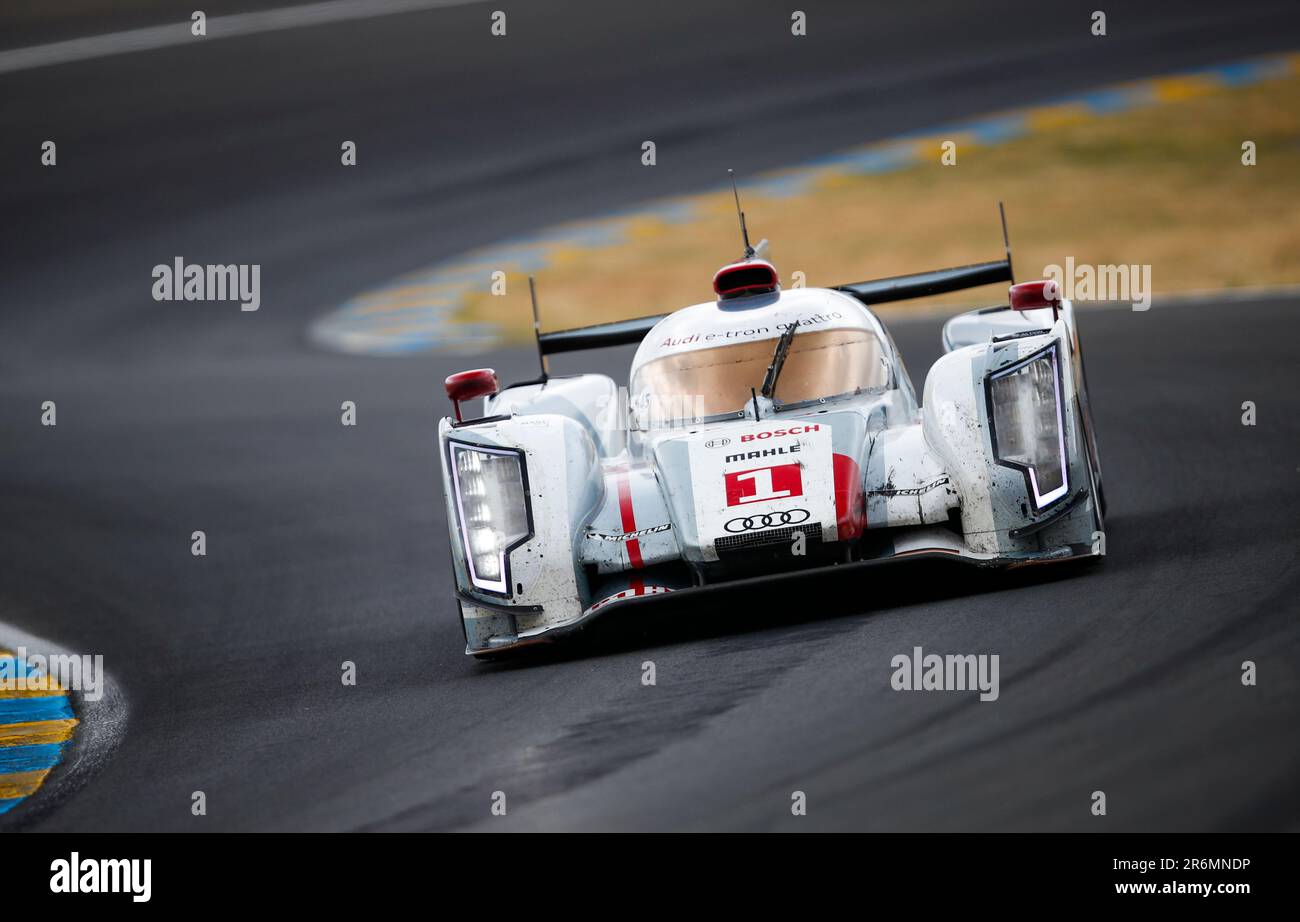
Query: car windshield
[713,382]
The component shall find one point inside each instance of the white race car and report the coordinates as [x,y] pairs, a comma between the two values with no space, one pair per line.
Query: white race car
[765,432]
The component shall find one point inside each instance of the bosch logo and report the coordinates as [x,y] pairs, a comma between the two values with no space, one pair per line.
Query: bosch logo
[717,443]
[767,520]
[779,433]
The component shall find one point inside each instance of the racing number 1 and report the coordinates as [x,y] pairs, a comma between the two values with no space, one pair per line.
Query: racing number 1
[763,484]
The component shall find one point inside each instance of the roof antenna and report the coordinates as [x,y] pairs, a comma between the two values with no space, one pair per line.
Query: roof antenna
[537,330]
[744,232]
[1006,242]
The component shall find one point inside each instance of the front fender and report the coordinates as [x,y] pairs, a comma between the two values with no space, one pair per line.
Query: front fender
[997,512]
[547,587]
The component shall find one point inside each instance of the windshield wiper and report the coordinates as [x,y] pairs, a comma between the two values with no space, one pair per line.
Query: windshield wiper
[778,359]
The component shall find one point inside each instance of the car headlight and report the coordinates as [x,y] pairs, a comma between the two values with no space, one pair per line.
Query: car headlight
[1028,415]
[492,504]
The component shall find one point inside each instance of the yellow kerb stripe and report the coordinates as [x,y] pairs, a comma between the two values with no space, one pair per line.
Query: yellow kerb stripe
[41,731]
[21,784]
[1173,89]
[39,691]
[1050,118]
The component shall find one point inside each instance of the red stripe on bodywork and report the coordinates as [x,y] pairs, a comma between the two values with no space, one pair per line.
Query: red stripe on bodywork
[850,509]
[629,518]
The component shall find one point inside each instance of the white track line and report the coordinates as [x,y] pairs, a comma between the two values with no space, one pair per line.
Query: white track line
[178,33]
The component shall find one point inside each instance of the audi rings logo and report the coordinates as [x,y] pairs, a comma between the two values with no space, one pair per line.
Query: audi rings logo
[717,443]
[767,520]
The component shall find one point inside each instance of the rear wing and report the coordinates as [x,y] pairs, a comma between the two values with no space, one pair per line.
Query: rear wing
[878,291]
[934,282]
[617,333]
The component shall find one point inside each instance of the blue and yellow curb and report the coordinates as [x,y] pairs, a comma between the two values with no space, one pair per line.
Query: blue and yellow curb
[417,312]
[36,724]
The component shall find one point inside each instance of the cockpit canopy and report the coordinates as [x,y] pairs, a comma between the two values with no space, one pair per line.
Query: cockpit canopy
[705,362]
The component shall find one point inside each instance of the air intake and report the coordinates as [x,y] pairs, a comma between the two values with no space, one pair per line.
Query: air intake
[750,277]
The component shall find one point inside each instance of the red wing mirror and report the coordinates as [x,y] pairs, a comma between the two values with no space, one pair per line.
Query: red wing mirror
[1032,296]
[466,385]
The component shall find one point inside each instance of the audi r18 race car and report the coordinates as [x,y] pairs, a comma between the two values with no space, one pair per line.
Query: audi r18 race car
[766,431]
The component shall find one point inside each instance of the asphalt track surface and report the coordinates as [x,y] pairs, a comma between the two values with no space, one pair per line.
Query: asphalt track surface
[328,544]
